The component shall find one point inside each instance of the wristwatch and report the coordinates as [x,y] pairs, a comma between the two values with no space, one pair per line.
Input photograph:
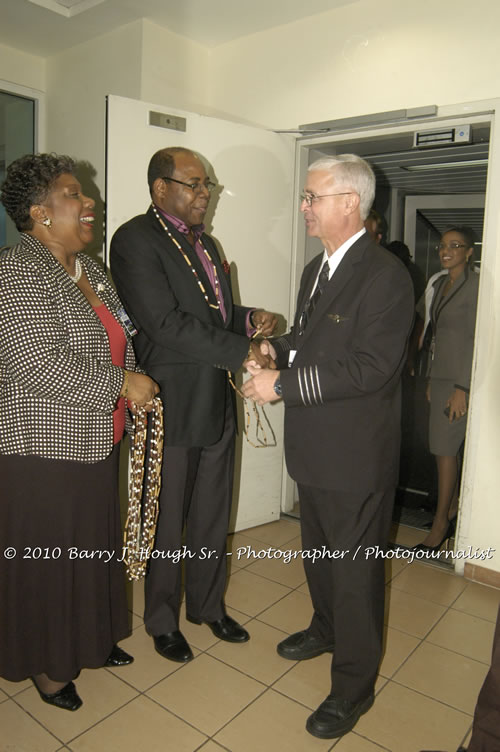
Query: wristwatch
[277,387]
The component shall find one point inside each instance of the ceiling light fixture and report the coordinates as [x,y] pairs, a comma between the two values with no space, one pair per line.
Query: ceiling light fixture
[445,165]
[67,8]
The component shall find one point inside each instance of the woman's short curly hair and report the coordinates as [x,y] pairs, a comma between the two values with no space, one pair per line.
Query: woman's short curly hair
[28,181]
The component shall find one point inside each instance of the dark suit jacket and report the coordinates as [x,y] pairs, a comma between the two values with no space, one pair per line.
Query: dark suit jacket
[182,343]
[342,401]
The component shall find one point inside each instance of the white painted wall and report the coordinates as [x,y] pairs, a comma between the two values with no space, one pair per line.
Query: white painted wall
[138,60]
[358,59]
[78,81]
[175,70]
[22,69]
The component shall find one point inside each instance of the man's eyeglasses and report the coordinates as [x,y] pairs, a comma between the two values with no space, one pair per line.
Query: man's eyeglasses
[310,198]
[450,247]
[195,187]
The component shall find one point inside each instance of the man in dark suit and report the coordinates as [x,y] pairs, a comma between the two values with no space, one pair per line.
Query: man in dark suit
[339,371]
[178,293]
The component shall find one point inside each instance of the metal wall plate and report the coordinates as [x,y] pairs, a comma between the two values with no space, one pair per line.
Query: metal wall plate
[171,122]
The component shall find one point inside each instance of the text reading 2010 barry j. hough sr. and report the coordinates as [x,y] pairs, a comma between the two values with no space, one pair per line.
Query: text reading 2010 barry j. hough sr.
[37,553]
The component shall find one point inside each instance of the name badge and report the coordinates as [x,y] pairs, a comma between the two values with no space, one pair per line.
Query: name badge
[126,322]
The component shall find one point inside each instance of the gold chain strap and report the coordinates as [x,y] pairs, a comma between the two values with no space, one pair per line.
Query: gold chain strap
[259,427]
[140,527]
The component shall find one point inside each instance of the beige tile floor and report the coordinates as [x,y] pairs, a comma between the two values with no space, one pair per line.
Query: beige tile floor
[245,698]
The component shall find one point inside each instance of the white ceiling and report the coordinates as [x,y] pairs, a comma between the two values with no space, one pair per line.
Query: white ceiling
[43,32]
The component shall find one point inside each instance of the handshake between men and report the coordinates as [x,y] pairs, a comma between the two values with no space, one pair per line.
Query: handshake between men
[262,367]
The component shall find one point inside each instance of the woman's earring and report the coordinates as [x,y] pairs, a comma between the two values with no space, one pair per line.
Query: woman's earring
[47,222]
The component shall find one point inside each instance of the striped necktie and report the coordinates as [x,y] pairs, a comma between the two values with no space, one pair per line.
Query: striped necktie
[313,300]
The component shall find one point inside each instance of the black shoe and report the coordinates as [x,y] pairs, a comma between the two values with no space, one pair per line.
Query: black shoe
[450,532]
[173,646]
[302,645]
[225,629]
[118,657]
[66,698]
[336,717]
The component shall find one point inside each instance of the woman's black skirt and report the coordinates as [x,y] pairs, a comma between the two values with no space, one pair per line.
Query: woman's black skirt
[62,591]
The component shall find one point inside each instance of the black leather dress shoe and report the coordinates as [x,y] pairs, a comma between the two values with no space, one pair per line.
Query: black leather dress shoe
[118,657]
[225,629]
[336,717]
[173,646]
[302,645]
[66,698]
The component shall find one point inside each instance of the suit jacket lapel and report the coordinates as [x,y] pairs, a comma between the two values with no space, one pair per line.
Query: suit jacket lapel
[438,302]
[224,280]
[195,261]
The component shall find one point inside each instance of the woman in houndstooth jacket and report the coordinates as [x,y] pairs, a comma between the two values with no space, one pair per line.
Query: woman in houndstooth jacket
[66,369]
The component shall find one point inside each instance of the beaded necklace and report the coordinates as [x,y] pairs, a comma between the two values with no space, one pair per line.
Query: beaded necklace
[188,262]
[262,442]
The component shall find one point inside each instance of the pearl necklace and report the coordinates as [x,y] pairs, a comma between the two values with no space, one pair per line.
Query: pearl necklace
[78,271]
[188,262]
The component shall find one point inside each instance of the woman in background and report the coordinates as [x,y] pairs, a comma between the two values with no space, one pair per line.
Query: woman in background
[453,321]
[66,367]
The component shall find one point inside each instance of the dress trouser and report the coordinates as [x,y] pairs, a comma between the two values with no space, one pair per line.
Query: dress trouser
[486,726]
[196,494]
[347,591]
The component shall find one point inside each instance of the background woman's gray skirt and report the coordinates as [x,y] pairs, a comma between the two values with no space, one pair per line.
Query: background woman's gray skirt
[445,438]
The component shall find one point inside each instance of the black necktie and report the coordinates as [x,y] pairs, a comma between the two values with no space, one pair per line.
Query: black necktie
[313,300]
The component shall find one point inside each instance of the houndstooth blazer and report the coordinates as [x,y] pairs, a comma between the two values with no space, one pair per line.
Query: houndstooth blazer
[58,386]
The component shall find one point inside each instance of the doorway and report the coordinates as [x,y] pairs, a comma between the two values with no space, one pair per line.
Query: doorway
[420,193]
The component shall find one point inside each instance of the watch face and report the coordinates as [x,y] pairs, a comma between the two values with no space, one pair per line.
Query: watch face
[277,387]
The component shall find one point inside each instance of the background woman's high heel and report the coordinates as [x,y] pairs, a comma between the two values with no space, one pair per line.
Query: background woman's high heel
[450,532]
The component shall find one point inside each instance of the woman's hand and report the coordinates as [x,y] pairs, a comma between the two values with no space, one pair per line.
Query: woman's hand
[139,389]
[457,404]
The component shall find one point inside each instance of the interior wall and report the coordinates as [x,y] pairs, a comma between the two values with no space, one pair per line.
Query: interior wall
[358,59]
[22,69]
[78,81]
[175,70]
[139,60]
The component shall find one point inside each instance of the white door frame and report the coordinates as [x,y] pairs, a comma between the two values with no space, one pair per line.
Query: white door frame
[469,112]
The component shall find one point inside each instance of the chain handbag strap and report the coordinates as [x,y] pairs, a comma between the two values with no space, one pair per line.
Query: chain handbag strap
[140,527]
[260,432]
